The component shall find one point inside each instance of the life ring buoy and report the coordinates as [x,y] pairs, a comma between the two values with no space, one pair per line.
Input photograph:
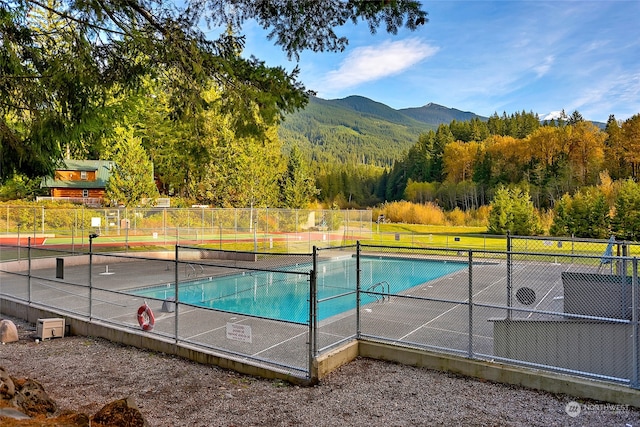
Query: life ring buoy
[146,318]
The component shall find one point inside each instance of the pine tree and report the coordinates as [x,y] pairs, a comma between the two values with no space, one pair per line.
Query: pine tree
[297,187]
[625,223]
[513,211]
[131,180]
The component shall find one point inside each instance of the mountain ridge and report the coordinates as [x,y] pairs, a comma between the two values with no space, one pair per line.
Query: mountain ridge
[356,128]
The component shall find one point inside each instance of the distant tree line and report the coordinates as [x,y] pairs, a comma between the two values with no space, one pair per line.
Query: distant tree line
[461,164]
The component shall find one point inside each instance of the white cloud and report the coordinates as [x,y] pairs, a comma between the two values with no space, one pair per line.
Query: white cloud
[370,63]
[544,67]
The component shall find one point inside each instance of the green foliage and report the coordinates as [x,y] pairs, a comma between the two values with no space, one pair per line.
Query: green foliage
[517,125]
[297,187]
[625,223]
[131,179]
[512,211]
[586,214]
[421,192]
[63,61]
[478,157]
[19,187]
[347,185]
[350,131]
[561,217]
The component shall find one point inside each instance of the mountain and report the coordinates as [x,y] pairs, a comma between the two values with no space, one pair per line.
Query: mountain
[435,114]
[369,108]
[352,129]
[362,130]
[555,115]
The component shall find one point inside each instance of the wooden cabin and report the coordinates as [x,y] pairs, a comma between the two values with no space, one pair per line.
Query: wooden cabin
[81,181]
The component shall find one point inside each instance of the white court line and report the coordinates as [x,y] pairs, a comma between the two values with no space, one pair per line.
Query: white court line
[280,343]
[254,354]
[211,330]
[451,309]
[542,299]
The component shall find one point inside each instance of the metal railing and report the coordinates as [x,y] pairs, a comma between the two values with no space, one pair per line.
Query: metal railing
[550,310]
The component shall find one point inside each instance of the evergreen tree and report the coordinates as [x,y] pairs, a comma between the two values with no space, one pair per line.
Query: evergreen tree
[297,188]
[625,223]
[561,225]
[131,178]
[513,211]
[575,118]
[586,214]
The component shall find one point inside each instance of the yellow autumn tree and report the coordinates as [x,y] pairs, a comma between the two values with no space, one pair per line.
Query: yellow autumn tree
[459,158]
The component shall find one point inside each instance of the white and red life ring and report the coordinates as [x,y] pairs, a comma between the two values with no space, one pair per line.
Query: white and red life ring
[146,318]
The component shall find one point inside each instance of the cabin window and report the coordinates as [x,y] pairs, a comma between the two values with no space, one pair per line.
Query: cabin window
[83,175]
[85,193]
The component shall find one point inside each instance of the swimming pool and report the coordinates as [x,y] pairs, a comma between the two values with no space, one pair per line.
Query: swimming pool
[285,296]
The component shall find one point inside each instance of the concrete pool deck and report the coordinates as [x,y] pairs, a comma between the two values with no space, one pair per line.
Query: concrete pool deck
[279,350]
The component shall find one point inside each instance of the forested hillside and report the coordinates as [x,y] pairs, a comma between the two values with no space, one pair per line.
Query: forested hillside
[435,114]
[460,164]
[354,129]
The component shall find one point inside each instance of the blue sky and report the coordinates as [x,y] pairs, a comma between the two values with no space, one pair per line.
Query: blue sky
[486,57]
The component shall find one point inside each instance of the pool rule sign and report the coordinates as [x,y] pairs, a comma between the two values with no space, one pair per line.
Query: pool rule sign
[238,332]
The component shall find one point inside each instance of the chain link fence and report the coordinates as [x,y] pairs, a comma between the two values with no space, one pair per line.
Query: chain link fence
[574,246]
[571,312]
[251,229]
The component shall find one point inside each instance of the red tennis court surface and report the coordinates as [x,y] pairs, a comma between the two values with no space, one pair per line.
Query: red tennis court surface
[23,241]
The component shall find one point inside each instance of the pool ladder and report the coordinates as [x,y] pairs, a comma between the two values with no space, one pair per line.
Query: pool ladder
[192,271]
[383,286]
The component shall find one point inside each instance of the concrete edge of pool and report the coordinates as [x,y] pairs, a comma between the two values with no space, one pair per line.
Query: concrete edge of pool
[325,364]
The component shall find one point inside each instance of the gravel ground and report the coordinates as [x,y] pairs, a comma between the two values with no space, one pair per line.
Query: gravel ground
[83,374]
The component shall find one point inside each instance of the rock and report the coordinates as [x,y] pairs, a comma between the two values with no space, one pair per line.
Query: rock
[23,401]
[119,413]
[31,398]
[13,413]
[71,419]
[7,388]
[8,331]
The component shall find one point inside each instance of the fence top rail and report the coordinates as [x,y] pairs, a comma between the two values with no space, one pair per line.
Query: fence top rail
[196,248]
[502,252]
[414,248]
[333,248]
[168,208]
[573,239]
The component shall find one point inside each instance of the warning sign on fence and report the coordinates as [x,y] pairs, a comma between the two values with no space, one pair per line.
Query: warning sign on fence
[238,332]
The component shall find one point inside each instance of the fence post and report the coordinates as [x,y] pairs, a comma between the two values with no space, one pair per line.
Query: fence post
[175,297]
[358,289]
[509,270]
[91,237]
[470,350]
[29,269]
[635,319]
[313,318]
[73,230]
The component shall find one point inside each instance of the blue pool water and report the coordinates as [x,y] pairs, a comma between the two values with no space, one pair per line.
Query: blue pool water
[285,296]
